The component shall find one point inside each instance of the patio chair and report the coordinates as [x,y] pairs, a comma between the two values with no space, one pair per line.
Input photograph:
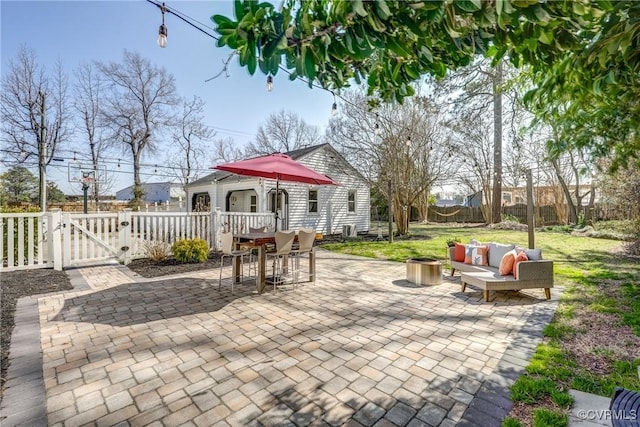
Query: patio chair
[304,245]
[228,251]
[249,247]
[284,242]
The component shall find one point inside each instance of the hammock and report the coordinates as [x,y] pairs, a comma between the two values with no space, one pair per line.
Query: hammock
[449,214]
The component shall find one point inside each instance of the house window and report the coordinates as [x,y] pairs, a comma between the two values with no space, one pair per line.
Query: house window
[351,201]
[313,201]
[253,204]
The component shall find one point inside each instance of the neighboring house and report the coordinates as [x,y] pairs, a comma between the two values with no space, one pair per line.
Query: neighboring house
[325,208]
[154,192]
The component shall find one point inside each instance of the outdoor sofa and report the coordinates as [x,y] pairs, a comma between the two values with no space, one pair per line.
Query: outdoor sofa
[481,267]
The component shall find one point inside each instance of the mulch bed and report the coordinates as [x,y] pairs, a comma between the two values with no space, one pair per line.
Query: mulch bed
[13,286]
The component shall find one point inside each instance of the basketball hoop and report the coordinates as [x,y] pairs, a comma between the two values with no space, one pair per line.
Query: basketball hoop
[88,178]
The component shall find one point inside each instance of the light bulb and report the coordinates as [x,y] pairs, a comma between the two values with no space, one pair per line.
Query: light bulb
[334,109]
[269,83]
[162,36]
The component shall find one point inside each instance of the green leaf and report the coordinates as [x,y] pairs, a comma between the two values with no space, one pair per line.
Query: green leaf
[542,15]
[238,9]
[375,23]
[546,37]
[223,20]
[382,10]
[524,3]
[468,5]
[611,78]
[272,45]
[412,71]
[358,7]
[578,8]
[309,63]
[396,48]
[411,24]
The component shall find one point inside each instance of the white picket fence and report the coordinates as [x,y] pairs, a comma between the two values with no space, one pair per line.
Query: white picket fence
[57,239]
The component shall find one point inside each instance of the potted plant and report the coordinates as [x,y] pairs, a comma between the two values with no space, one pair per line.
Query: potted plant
[452,241]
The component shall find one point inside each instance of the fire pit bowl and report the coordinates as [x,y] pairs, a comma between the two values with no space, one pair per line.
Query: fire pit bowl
[424,271]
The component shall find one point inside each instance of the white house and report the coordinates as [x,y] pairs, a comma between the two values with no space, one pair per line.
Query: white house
[159,192]
[325,208]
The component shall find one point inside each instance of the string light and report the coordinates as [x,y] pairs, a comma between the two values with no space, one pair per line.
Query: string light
[334,107]
[269,82]
[162,32]
[408,141]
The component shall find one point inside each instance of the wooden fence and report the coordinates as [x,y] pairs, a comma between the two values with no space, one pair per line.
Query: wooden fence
[544,215]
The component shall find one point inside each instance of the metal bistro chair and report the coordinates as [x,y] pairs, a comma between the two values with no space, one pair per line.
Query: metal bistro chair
[306,238]
[284,242]
[228,251]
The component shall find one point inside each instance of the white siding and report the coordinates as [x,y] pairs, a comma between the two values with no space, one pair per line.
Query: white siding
[332,200]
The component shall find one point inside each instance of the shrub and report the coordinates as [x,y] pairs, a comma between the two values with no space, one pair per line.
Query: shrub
[156,250]
[190,250]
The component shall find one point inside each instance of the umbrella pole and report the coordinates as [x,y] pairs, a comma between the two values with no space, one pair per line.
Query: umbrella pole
[277,199]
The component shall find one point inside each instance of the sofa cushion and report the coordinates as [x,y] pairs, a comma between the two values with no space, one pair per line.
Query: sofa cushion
[533,254]
[506,263]
[496,252]
[476,255]
[458,253]
[522,256]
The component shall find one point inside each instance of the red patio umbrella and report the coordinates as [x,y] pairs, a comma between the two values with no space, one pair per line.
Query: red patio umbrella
[277,166]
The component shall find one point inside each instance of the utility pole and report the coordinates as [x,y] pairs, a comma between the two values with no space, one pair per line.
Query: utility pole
[390,210]
[496,196]
[42,155]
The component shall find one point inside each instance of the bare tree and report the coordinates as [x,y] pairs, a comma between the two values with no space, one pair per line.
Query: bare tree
[189,134]
[472,137]
[138,106]
[225,150]
[283,131]
[402,145]
[89,94]
[35,113]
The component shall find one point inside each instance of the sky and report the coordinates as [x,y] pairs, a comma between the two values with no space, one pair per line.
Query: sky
[83,31]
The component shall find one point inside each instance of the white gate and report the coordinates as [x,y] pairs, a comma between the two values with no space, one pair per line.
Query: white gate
[90,237]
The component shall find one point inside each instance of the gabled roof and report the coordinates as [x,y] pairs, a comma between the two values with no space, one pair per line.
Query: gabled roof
[294,154]
[215,176]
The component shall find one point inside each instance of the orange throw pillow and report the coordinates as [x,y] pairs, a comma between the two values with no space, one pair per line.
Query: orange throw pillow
[458,253]
[522,256]
[506,263]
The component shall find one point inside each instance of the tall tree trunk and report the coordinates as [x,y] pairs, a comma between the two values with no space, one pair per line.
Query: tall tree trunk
[496,195]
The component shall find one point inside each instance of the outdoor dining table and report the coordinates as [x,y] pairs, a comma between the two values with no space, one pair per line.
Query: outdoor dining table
[260,240]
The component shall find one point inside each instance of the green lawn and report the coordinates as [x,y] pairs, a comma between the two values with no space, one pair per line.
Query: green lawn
[599,286]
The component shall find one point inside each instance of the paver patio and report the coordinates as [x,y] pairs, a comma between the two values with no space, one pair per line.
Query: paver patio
[361,346]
